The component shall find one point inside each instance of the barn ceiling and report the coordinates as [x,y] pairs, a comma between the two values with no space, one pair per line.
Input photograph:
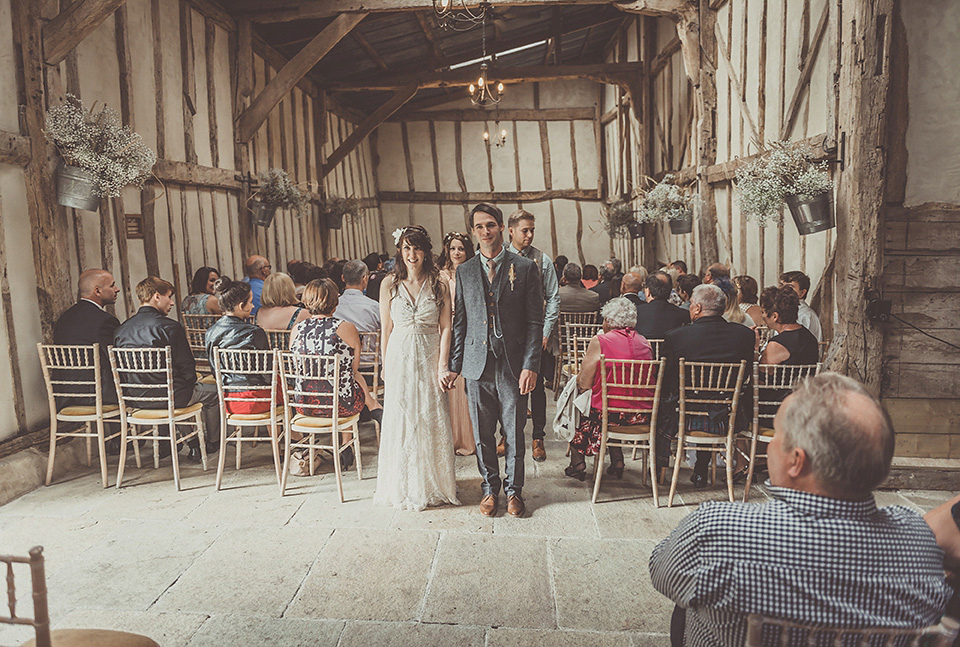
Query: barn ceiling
[395,43]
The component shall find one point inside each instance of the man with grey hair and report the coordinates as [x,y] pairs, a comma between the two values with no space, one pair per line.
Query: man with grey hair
[819,553]
[707,339]
[658,315]
[354,306]
[573,296]
[257,269]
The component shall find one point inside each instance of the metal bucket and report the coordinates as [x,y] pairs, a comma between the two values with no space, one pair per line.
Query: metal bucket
[77,188]
[635,229]
[682,225]
[813,215]
[263,213]
[333,220]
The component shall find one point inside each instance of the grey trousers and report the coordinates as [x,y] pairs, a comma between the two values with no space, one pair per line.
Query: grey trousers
[495,397]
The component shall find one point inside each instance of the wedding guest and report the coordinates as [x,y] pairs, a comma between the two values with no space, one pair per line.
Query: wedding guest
[257,269]
[806,316]
[355,307]
[619,340]
[573,296]
[732,312]
[323,334]
[685,285]
[300,274]
[680,266]
[716,271]
[201,300]
[233,331]
[280,309]
[456,250]
[792,344]
[559,263]
[747,290]
[591,276]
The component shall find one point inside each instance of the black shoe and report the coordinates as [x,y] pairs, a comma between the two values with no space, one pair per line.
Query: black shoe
[213,446]
[194,455]
[377,416]
[699,481]
[577,470]
[346,459]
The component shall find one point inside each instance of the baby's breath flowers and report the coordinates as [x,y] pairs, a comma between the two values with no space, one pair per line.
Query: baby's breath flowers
[278,190]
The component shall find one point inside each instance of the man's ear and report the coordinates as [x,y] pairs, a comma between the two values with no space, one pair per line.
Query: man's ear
[797,463]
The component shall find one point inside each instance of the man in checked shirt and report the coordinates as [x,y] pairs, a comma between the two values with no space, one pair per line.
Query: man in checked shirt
[820,552]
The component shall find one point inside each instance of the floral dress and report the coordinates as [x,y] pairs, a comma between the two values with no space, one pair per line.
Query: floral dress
[319,337]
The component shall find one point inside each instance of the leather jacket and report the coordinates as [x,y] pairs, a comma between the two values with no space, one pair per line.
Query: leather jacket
[233,332]
[151,329]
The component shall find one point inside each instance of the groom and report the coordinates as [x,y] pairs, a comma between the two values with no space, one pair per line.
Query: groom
[497,333]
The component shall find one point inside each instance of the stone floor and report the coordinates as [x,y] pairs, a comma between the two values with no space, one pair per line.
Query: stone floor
[243,566]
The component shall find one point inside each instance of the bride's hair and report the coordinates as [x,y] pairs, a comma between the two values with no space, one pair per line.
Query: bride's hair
[418,238]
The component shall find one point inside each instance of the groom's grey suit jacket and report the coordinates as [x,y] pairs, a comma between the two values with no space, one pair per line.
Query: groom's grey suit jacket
[517,311]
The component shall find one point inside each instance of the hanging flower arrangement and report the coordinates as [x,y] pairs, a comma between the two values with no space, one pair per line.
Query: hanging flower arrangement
[277,190]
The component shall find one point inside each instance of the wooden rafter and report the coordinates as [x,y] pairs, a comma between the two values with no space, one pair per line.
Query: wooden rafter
[72,25]
[557,37]
[507,114]
[738,91]
[804,81]
[618,73]
[292,72]
[664,56]
[459,197]
[365,45]
[439,59]
[393,104]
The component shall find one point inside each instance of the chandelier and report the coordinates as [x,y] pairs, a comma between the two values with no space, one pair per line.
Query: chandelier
[501,139]
[457,16]
[481,92]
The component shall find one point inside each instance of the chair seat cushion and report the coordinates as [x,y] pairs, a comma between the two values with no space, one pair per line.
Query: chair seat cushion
[95,638]
[705,438]
[86,411]
[632,431]
[301,420]
[236,417]
[158,414]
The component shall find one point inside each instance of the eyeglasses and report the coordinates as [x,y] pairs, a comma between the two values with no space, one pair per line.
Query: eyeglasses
[267,267]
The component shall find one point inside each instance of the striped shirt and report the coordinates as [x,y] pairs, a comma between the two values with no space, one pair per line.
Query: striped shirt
[800,557]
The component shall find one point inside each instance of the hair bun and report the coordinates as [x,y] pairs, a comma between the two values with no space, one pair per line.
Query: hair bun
[222,284]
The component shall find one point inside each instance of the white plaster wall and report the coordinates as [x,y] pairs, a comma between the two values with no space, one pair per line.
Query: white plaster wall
[933,134]
[8,76]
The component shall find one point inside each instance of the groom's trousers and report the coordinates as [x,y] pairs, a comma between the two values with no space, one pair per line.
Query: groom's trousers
[495,397]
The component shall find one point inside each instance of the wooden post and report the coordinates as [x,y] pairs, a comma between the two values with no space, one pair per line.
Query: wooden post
[864,89]
[706,85]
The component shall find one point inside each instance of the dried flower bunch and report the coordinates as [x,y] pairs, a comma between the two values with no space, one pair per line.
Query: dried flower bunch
[780,171]
[278,190]
[336,207]
[619,216]
[98,142]
[666,201]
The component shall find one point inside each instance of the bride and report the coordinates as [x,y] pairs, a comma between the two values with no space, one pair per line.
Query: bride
[416,461]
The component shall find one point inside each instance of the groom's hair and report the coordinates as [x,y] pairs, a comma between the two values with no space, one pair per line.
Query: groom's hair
[488,209]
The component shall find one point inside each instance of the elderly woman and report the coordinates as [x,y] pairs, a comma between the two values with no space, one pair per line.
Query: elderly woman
[792,344]
[619,340]
[279,307]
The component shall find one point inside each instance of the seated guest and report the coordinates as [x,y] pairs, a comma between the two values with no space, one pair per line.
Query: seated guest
[573,296]
[374,263]
[335,273]
[674,297]
[301,276]
[640,271]
[707,339]
[591,276]
[806,317]
[151,328]
[280,309]
[605,287]
[733,313]
[792,344]
[747,291]
[685,285]
[324,334]
[85,323]
[680,266]
[631,287]
[360,310]
[819,553]
[657,315]
[201,300]
[233,332]
[559,263]
[257,269]
[716,271]
[619,340]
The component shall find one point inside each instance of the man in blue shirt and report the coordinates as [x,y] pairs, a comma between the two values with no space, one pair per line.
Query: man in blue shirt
[257,269]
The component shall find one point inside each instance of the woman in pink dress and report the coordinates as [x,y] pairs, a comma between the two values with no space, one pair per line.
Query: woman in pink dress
[457,249]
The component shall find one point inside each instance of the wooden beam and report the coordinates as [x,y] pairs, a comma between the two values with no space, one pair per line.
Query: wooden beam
[414,107]
[365,45]
[72,25]
[14,149]
[616,73]
[557,39]
[664,56]
[249,122]
[805,73]
[701,29]
[393,104]
[517,114]
[439,59]
[196,175]
[244,58]
[489,196]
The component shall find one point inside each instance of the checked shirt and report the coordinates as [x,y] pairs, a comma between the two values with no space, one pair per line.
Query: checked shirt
[800,557]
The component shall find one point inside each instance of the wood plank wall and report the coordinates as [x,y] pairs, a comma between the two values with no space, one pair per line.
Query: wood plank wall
[170,68]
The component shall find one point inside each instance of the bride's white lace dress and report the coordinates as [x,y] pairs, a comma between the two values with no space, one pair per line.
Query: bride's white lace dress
[416,462]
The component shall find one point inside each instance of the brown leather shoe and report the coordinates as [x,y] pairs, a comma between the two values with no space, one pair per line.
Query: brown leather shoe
[488,505]
[515,506]
[539,453]
[501,448]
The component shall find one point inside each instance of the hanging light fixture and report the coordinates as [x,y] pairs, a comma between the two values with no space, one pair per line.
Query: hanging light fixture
[482,93]
[457,16]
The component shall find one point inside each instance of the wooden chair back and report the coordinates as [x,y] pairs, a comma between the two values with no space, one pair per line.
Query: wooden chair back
[578,318]
[196,328]
[278,339]
[636,381]
[71,372]
[763,631]
[765,334]
[250,365]
[710,383]
[128,362]
[313,378]
[655,345]
[824,347]
[369,361]
[41,616]
[772,384]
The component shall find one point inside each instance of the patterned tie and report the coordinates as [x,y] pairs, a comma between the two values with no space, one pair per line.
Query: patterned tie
[492,270]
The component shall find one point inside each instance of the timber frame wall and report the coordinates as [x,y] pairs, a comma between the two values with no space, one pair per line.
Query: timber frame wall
[179,72]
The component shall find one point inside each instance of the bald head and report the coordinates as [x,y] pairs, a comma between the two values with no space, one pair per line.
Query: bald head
[98,286]
[257,267]
[631,283]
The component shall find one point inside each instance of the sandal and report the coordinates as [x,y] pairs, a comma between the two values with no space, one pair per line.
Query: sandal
[615,470]
[577,470]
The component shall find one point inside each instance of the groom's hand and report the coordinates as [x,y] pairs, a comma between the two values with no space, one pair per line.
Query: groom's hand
[447,380]
[528,381]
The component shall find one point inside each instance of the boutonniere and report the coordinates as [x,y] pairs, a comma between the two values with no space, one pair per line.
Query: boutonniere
[512,274]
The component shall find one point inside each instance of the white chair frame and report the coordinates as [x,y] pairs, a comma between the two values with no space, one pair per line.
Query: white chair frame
[278,339]
[634,376]
[698,381]
[140,361]
[59,357]
[195,326]
[369,364]
[247,363]
[294,370]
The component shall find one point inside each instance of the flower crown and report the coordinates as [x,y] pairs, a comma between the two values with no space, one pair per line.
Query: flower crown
[399,233]
[455,235]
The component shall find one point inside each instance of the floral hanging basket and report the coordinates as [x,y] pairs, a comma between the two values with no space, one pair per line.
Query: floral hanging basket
[77,188]
[682,225]
[263,212]
[813,214]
